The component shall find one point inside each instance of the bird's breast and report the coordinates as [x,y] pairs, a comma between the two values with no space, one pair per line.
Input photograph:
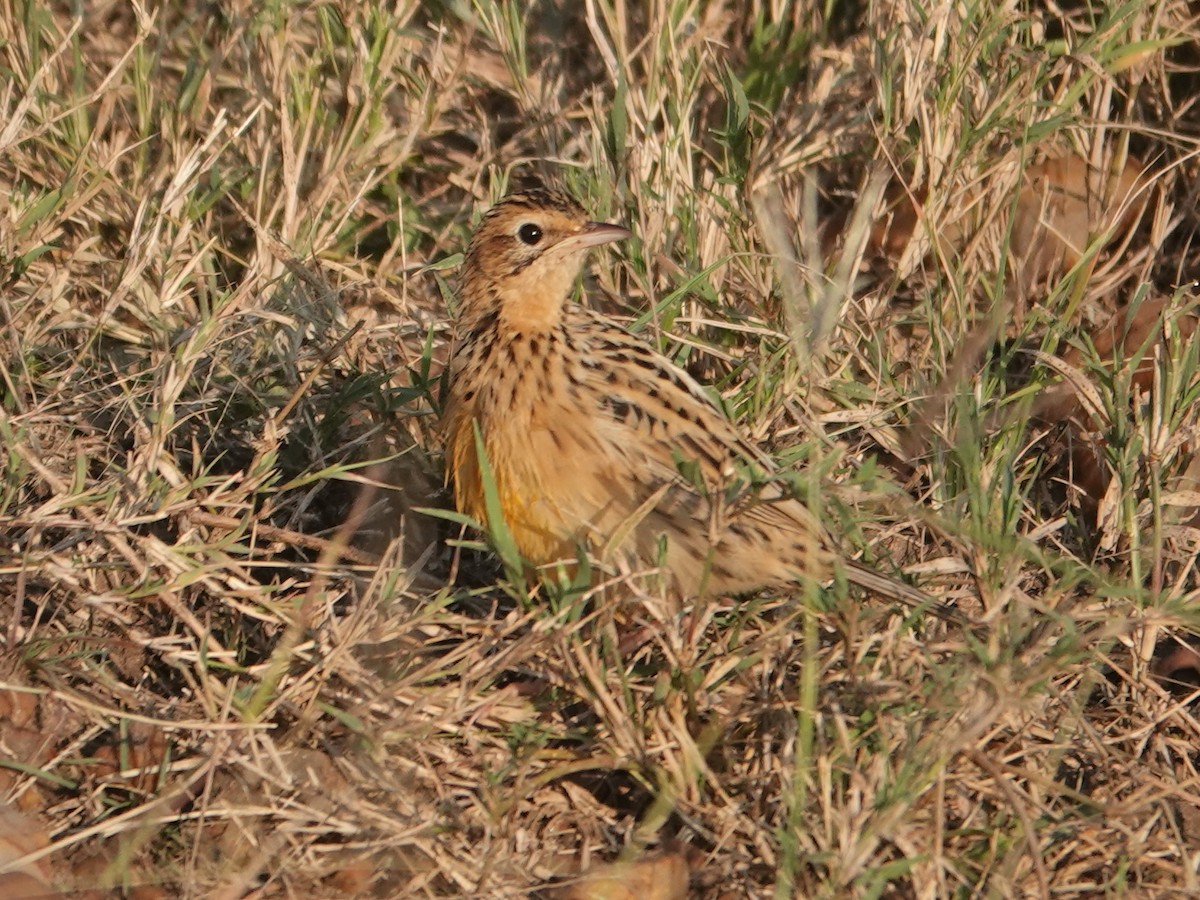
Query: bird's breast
[538,436]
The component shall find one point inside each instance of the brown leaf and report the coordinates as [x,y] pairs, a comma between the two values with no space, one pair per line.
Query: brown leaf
[1116,342]
[663,877]
[21,835]
[894,229]
[1062,204]
[137,747]
[29,734]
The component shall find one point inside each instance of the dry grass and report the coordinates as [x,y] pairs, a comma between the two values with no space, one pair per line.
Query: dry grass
[226,257]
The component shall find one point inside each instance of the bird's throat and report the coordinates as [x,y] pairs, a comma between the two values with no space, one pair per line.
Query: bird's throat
[534,306]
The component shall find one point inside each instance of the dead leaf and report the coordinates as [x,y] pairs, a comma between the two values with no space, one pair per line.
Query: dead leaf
[663,877]
[1117,342]
[1063,203]
[21,835]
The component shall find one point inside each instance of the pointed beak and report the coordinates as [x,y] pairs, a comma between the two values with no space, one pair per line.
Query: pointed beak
[593,234]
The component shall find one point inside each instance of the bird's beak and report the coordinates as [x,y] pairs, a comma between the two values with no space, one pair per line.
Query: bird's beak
[593,234]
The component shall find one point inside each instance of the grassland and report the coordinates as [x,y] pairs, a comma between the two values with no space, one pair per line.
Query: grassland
[239,658]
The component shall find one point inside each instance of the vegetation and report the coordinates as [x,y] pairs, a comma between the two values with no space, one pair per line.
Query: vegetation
[240,658]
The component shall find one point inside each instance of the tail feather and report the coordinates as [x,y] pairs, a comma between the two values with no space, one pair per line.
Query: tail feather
[894,589]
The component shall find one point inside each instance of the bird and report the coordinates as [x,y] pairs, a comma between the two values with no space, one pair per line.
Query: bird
[596,441]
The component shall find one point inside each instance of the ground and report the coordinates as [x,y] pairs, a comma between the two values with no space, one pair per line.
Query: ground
[935,258]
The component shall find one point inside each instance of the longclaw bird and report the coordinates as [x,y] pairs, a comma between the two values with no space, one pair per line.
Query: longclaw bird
[589,431]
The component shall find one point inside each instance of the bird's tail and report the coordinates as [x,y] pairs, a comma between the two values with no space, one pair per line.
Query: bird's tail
[894,589]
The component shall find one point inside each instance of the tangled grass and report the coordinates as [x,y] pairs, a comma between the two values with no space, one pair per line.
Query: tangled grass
[238,657]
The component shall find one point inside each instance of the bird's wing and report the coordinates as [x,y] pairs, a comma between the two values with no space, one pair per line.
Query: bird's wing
[671,435]
[663,423]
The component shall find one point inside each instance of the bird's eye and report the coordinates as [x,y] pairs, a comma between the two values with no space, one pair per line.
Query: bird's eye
[529,234]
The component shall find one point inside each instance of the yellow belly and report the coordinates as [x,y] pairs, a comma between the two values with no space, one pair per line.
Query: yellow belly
[540,519]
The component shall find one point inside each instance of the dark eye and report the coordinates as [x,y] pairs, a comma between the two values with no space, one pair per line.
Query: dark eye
[529,234]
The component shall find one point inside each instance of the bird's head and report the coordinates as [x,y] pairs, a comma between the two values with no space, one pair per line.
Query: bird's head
[525,257]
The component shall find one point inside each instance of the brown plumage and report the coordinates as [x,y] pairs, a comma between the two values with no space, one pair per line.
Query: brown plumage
[597,440]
